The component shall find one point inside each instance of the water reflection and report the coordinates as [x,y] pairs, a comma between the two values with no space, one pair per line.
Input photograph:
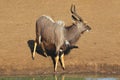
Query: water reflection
[101,79]
[74,77]
[62,77]
[52,77]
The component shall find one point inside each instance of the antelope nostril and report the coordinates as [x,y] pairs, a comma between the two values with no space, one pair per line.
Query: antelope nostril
[89,28]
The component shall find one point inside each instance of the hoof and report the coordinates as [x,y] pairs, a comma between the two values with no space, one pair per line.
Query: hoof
[45,55]
[55,72]
[33,58]
[63,68]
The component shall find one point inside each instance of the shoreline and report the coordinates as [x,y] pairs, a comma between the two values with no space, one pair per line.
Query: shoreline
[79,69]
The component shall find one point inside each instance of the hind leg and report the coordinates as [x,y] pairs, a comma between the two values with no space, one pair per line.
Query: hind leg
[36,42]
[43,48]
[35,45]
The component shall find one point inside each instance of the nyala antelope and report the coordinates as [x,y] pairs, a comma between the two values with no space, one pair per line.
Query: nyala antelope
[57,36]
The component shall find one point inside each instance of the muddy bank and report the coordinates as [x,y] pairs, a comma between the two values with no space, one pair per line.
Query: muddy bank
[91,68]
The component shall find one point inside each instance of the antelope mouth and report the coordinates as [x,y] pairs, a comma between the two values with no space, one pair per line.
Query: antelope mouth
[85,31]
[88,30]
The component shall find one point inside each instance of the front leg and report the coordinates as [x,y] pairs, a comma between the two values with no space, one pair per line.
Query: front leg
[62,60]
[56,62]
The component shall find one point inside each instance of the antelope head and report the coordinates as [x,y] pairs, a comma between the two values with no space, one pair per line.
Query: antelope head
[78,21]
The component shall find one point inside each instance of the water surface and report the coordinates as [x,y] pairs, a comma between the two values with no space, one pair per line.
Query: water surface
[62,77]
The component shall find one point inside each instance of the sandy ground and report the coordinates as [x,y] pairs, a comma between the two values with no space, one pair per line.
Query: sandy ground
[99,50]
